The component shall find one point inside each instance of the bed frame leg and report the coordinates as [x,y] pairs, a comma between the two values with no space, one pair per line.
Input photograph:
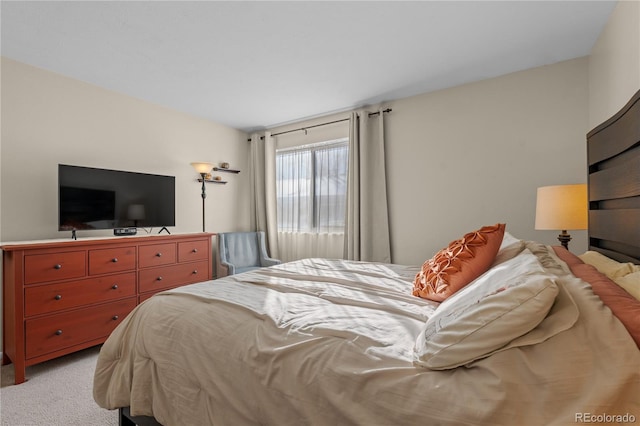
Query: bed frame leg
[126,419]
[123,419]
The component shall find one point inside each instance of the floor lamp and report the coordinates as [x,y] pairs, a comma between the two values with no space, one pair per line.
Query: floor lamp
[562,207]
[203,169]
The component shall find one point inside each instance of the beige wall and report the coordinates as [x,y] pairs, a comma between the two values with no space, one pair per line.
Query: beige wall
[49,119]
[614,63]
[475,154]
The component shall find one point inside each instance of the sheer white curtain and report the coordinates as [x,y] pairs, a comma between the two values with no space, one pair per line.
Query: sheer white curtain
[263,189]
[367,219]
[303,245]
[311,189]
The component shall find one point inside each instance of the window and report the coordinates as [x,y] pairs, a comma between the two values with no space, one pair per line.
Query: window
[311,187]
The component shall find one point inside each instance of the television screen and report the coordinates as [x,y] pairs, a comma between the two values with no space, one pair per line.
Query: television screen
[90,198]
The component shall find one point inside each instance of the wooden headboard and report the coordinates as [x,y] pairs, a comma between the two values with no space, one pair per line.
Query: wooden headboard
[613,155]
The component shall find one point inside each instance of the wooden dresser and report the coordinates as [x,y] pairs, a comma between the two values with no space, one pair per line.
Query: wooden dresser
[60,297]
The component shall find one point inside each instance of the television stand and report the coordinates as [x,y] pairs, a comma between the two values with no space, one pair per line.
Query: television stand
[164,228]
[99,281]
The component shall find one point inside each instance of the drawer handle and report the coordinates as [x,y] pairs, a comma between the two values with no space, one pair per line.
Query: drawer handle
[115,318]
[58,266]
[115,286]
[158,254]
[195,271]
[195,250]
[58,332]
[159,279]
[114,260]
[58,297]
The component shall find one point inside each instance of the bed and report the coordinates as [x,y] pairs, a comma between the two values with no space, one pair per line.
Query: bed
[536,337]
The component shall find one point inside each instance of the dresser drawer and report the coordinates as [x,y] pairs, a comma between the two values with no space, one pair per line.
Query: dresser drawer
[193,250]
[56,297]
[105,261]
[39,268]
[157,255]
[59,331]
[172,276]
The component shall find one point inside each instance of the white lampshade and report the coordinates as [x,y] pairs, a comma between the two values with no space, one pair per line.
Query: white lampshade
[202,167]
[562,207]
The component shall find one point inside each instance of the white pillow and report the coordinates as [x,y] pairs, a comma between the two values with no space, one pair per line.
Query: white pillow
[506,302]
[631,283]
[508,239]
[509,248]
[611,268]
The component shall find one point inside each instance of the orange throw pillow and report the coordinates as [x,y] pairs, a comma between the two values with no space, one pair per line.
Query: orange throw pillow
[458,264]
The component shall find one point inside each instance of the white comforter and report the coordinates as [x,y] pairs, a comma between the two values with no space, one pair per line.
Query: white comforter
[329,342]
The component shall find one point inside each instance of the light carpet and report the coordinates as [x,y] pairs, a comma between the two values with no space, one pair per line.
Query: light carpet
[57,392]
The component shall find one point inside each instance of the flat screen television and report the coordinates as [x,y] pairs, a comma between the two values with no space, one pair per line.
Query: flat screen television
[91,198]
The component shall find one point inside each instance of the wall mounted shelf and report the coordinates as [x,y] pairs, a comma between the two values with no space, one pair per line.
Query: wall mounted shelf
[220,169]
[222,182]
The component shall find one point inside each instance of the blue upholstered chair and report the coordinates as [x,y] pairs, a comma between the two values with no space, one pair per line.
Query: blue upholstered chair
[241,251]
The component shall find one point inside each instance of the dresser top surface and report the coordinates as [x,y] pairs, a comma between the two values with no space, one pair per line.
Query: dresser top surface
[67,242]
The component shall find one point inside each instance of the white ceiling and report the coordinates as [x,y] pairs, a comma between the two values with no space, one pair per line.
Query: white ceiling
[253,65]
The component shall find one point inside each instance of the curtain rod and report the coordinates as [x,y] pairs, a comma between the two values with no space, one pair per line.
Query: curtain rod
[322,124]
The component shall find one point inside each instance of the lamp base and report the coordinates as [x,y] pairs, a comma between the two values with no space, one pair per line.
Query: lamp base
[204,196]
[564,239]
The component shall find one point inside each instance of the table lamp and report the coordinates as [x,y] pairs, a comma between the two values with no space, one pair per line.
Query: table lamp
[562,207]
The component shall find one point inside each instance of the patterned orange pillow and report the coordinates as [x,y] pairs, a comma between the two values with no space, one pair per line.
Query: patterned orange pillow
[458,264]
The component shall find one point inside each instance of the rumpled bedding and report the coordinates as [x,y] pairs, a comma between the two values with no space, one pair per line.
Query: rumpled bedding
[331,342]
